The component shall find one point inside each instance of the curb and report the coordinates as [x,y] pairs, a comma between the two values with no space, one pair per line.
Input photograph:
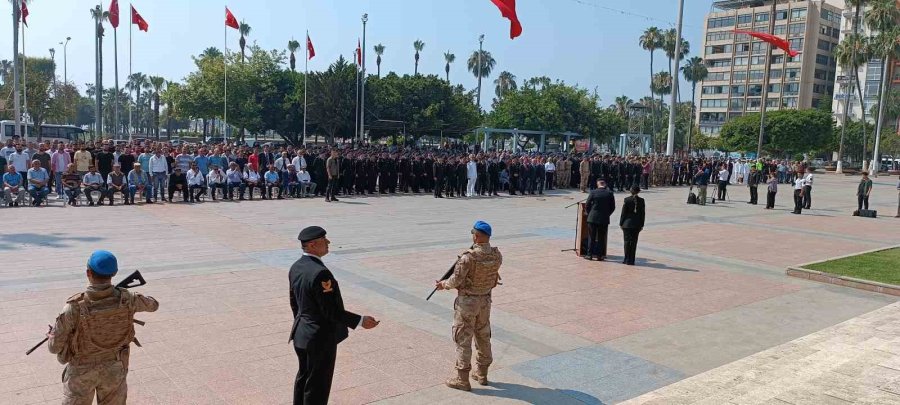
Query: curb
[845,281]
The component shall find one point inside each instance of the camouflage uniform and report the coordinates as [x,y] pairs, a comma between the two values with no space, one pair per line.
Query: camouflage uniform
[474,276]
[91,338]
[584,169]
[564,175]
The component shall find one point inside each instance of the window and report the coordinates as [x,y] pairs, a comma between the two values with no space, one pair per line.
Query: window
[743,61]
[758,48]
[713,63]
[871,89]
[824,29]
[712,117]
[738,90]
[874,70]
[760,17]
[796,30]
[821,60]
[774,88]
[720,22]
[791,89]
[757,60]
[736,104]
[781,15]
[772,102]
[824,45]
[780,29]
[754,90]
[714,90]
[792,75]
[742,37]
[820,74]
[798,58]
[798,14]
[716,49]
[756,75]
[835,33]
[712,130]
[796,44]
[714,103]
[832,61]
[742,49]
[713,76]
[719,36]
[744,19]
[777,59]
[735,114]
[789,102]
[739,77]
[753,103]
[829,15]
[775,74]
[831,76]
[818,88]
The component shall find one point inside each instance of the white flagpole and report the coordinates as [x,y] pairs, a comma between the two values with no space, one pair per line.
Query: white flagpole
[131,94]
[24,86]
[305,93]
[116,68]
[356,60]
[225,59]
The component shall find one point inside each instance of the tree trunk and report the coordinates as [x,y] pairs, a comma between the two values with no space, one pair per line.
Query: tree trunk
[693,108]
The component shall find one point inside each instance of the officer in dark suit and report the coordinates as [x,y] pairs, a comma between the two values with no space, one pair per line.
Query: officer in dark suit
[320,321]
[632,221]
[600,205]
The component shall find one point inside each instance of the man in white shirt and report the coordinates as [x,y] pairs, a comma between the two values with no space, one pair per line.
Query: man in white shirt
[252,180]
[93,182]
[159,173]
[299,161]
[550,169]
[307,187]
[807,188]
[195,182]
[19,160]
[723,181]
[216,179]
[8,149]
[471,175]
[799,184]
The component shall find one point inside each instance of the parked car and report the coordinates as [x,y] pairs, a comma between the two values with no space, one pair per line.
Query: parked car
[215,140]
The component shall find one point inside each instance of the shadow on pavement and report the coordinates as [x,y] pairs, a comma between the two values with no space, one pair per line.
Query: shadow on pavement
[534,395]
[54,240]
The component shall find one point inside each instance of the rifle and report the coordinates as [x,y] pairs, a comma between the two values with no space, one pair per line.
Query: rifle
[132,280]
[447,274]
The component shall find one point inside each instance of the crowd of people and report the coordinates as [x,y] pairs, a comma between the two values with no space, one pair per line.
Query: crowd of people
[153,172]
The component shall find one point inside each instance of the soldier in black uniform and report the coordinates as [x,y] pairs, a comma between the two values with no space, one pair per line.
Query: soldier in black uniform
[418,170]
[461,177]
[632,222]
[481,182]
[438,177]
[347,174]
[359,172]
[494,167]
[515,171]
[320,321]
[450,175]
[428,174]
[371,174]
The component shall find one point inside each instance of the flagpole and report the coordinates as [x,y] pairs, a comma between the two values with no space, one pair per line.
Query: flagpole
[765,89]
[116,68]
[356,125]
[673,106]
[225,59]
[24,85]
[130,28]
[362,91]
[305,92]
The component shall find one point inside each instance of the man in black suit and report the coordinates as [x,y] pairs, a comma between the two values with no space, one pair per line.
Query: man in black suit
[632,221]
[600,205]
[320,321]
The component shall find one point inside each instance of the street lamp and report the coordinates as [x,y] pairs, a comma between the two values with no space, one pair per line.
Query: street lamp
[65,65]
[362,93]
[480,47]
[53,59]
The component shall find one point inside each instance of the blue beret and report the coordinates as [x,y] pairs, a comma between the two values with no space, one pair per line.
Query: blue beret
[482,227]
[103,263]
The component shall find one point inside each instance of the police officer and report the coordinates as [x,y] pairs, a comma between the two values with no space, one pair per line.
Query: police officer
[320,321]
[632,222]
[93,333]
[475,274]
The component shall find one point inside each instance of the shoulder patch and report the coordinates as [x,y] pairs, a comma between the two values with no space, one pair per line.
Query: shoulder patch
[327,286]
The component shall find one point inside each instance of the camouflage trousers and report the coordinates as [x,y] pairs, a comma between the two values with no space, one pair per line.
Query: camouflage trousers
[106,380]
[472,319]
[583,184]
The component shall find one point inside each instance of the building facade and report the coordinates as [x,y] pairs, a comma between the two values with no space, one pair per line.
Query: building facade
[737,62]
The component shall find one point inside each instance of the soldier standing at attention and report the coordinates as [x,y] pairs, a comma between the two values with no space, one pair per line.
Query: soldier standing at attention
[584,170]
[92,335]
[320,321]
[475,274]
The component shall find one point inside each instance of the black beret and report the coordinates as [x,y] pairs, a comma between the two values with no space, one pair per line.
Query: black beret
[311,233]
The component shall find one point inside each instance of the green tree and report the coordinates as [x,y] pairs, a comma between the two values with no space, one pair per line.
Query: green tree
[293,45]
[379,50]
[418,45]
[505,83]
[694,72]
[622,105]
[244,29]
[39,73]
[849,59]
[136,83]
[157,83]
[481,70]
[882,17]
[787,131]
[651,40]
[449,58]
[332,107]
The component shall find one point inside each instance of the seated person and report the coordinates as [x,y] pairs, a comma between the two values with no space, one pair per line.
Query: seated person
[272,181]
[307,187]
[92,182]
[13,183]
[216,180]
[178,182]
[71,184]
[37,183]
[195,181]
[139,184]
[290,182]
[252,180]
[115,183]
[234,179]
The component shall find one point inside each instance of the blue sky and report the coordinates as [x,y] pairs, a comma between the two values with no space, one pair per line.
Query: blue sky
[582,42]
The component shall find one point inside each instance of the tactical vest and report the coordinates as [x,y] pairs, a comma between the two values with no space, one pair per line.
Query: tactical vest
[485,274]
[105,327]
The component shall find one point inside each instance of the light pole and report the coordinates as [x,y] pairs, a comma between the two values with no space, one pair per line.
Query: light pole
[53,59]
[480,47]
[65,61]
[362,92]
[670,140]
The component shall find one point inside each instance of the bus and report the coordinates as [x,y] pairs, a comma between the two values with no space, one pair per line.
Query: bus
[49,132]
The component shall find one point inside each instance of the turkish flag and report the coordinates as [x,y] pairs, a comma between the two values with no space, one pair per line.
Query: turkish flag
[358,53]
[778,42]
[137,19]
[508,10]
[310,51]
[114,13]
[24,13]
[230,20]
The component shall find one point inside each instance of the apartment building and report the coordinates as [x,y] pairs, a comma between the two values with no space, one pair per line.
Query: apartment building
[737,62]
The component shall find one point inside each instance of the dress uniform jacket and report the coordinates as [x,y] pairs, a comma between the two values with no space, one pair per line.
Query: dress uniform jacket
[317,305]
[633,212]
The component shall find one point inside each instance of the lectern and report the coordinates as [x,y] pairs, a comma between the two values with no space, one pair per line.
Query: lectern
[581,231]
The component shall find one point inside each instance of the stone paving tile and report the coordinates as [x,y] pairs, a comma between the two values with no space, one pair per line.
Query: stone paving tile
[220,273]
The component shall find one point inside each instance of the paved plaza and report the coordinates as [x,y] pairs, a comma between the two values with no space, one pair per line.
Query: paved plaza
[707,316]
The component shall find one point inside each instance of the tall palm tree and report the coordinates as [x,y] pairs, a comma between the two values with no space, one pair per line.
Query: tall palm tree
[669,40]
[418,46]
[379,50]
[5,70]
[848,57]
[487,65]
[157,83]
[211,52]
[293,46]
[244,29]
[651,40]
[170,96]
[621,106]
[505,83]
[662,85]
[694,72]
[449,58]
[136,82]
[99,16]
[851,53]
[883,17]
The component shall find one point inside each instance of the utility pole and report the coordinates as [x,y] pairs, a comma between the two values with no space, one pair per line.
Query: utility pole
[670,140]
[765,89]
[362,91]
[480,47]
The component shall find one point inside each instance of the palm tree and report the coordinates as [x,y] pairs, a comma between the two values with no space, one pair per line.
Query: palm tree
[136,82]
[15,64]
[449,58]
[883,17]
[157,83]
[621,106]
[211,52]
[851,53]
[505,83]
[170,96]
[651,40]
[379,50]
[244,29]
[848,58]
[662,85]
[418,46]
[99,16]
[487,65]
[293,46]
[694,71]
[5,70]
[669,45]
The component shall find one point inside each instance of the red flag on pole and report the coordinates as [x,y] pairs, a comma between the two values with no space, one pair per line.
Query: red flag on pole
[508,10]
[24,13]
[358,53]
[114,13]
[310,51]
[138,20]
[230,20]
[778,42]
